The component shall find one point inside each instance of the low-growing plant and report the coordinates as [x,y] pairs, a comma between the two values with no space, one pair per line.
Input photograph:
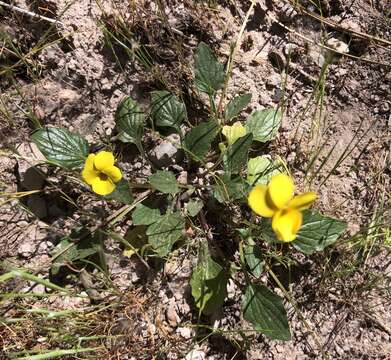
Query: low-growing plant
[255,196]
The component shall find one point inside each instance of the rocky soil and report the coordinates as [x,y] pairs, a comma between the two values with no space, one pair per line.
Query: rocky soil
[77,83]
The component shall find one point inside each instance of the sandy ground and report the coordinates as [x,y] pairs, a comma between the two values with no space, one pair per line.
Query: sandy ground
[80,84]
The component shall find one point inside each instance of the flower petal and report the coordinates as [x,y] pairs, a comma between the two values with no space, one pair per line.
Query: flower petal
[234,132]
[302,201]
[280,190]
[286,224]
[103,160]
[102,187]
[258,202]
[113,173]
[89,174]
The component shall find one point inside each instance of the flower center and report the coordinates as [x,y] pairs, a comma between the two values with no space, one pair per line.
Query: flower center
[103,177]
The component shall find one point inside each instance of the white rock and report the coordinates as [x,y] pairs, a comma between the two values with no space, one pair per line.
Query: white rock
[26,249]
[338,45]
[196,355]
[231,289]
[182,178]
[167,152]
[171,315]
[185,332]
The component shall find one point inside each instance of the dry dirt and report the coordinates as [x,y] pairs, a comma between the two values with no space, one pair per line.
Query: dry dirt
[78,84]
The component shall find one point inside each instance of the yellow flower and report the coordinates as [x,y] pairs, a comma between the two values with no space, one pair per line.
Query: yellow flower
[99,172]
[234,132]
[276,201]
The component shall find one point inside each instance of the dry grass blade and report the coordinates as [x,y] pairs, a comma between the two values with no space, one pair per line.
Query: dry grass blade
[336,26]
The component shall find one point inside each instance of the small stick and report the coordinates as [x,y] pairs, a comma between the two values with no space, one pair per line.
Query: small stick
[29,13]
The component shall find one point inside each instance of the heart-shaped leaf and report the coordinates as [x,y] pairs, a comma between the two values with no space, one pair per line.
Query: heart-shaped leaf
[227,189]
[144,215]
[163,233]
[317,232]
[261,169]
[253,256]
[266,312]
[209,73]
[68,250]
[164,181]
[62,147]
[208,284]
[130,121]
[122,193]
[167,110]
[198,140]
[194,206]
[236,156]
[264,124]
[236,105]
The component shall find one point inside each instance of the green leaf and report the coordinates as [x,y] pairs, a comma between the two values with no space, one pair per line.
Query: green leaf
[61,255]
[236,156]
[164,181]
[122,193]
[194,206]
[317,232]
[261,169]
[62,147]
[266,312]
[137,237]
[144,215]
[253,256]
[208,284]
[236,105]
[167,110]
[165,232]
[130,121]
[79,245]
[267,232]
[209,73]
[198,140]
[264,124]
[227,189]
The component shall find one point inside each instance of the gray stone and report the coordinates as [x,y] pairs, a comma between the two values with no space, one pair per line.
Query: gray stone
[290,49]
[182,178]
[316,57]
[196,355]
[167,152]
[185,332]
[171,315]
[26,249]
[273,80]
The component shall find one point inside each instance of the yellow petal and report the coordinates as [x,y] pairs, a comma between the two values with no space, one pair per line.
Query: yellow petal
[302,201]
[286,224]
[280,190]
[103,160]
[113,173]
[128,252]
[102,186]
[89,174]
[258,202]
[234,132]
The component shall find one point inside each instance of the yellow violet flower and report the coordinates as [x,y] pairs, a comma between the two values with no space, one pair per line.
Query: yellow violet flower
[233,132]
[99,172]
[276,201]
